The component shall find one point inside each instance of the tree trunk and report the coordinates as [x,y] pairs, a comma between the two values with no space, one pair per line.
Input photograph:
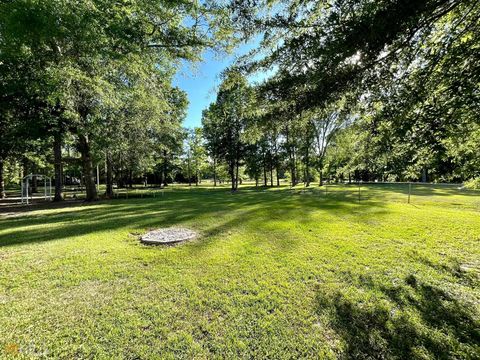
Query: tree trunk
[87,166]
[320,172]
[34,182]
[189,175]
[291,156]
[265,181]
[164,169]
[25,167]
[271,174]
[276,162]
[424,175]
[3,195]
[293,168]
[232,175]
[236,175]
[109,179]
[307,168]
[58,165]
[214,172]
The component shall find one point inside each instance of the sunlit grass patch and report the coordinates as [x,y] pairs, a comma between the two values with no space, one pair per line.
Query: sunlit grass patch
[274,273]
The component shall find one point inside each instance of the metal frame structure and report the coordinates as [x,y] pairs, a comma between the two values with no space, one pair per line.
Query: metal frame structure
[25,187]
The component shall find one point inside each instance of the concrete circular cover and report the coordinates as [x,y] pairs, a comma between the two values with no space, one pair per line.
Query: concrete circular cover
[167,236]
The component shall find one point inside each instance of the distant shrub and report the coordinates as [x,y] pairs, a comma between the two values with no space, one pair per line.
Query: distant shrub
[473,183]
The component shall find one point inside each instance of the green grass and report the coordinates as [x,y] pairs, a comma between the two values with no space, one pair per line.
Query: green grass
[275,274]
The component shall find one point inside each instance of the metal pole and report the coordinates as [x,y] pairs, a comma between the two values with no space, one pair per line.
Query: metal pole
[49,188]
[45,187]
[409,191]
[27,191]
[23,190]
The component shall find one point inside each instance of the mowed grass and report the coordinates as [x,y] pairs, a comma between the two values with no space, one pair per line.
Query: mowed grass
[274,274]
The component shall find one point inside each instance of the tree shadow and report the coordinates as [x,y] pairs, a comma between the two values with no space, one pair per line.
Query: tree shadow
[402,189]
[412,320]
[173,209]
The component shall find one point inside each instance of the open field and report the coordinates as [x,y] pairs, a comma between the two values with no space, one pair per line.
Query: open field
[275,274]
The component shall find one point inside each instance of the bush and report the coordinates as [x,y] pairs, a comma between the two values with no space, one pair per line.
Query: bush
[473,184]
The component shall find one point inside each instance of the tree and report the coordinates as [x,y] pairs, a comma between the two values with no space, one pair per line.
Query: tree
[325,124]
[229,114]
[77,44]
[22,118]
[322,49]
[212,135]
[408,67]
[198,153]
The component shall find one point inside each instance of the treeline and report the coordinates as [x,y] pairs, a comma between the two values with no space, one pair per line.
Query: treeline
[88,83]
[357,89]
[370,90]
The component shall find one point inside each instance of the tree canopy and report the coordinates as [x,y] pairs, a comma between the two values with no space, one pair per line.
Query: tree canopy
[357,89]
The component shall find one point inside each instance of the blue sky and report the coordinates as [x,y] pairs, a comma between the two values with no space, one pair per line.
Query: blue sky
[201,80]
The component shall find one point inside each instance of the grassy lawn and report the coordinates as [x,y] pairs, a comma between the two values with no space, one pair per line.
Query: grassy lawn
[275,274]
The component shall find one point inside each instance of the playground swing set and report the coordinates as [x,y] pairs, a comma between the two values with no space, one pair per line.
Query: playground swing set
[27,194]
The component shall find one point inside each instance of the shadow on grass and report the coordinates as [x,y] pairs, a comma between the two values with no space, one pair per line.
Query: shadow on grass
[230,211]
[413,320]
[417,189]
